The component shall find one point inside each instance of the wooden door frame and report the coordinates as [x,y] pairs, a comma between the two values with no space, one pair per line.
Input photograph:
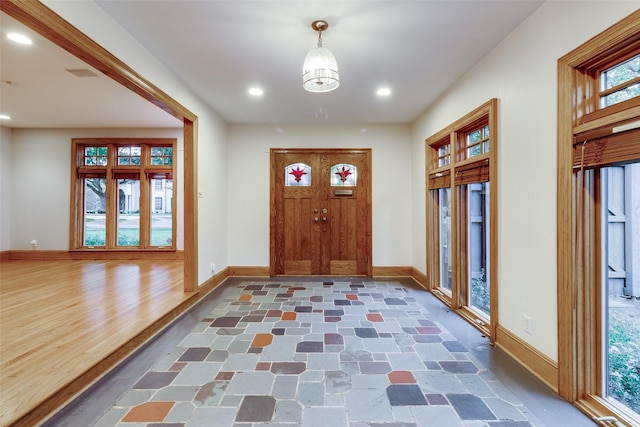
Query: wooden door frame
[275,175]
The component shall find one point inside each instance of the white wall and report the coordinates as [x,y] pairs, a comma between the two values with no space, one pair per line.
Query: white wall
[248,179]
[89,18]
[6,171]
[41,186]
[522,73]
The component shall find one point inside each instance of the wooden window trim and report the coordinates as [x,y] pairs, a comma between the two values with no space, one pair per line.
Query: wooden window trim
[481,166]
[578,362]
[112,172]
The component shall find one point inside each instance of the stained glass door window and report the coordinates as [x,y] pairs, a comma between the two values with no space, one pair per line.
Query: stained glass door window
[297,175]
[344,175]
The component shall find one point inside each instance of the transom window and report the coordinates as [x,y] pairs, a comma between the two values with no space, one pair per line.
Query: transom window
[620,82]
[129,156]
[444,155]
[477,141]
[123,194]
[161,155]
[95,156]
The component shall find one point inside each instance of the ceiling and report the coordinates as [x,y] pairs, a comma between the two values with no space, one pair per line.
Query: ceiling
[219,49]
[37,91]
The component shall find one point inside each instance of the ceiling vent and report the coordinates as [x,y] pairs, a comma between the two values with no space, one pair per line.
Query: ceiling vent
[82,72]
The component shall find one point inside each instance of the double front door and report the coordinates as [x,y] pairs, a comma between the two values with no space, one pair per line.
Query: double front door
[320,212]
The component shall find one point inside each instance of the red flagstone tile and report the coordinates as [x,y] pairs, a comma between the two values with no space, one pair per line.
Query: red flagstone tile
[274,313]
[374,317]
[224,376]
[401,377]
[288,368]
[330,338]
[148,412]
[352,297]
[428,330]
[177,366]
[262,340]
[263,366]
[244,298]
[289,315]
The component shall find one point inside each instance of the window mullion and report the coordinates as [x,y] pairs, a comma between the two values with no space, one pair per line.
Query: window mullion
[145,192]
[112,202]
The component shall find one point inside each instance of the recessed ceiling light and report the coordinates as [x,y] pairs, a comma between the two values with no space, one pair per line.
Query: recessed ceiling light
[383,91]
[4,117]
[255,91]
[19,38]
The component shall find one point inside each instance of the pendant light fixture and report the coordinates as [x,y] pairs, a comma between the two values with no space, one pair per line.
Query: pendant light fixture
[320,69]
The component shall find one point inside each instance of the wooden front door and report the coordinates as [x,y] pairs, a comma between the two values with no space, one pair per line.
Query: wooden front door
[320,212]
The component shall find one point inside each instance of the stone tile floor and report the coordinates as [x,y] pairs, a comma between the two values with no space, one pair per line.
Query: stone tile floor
[317,354]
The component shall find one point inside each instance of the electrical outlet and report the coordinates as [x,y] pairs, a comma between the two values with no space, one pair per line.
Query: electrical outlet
[527,324]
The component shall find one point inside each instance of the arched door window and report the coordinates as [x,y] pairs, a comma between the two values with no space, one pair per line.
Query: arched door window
[297,175]
[344,175]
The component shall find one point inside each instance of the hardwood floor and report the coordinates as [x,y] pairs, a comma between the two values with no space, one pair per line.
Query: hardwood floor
[65,323]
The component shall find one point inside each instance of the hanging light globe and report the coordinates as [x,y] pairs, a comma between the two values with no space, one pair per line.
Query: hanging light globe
[320,69]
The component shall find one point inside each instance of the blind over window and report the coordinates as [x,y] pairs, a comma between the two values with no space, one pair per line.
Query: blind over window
[126,175]
[440,180]
[91,172]
[602,148]
[472,172]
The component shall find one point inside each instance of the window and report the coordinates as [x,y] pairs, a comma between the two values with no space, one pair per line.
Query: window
[297,175]
[598,262]
[620,82]
[124,194]
[444,208]
[620,290]
[344,175]
[477,141]
[477,231]
[460,213]
[444,154]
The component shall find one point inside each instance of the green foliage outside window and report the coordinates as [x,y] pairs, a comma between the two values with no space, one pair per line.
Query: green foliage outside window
[480,296]
[624,357]
[619,75]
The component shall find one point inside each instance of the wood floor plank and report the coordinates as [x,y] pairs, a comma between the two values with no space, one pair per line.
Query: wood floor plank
[59,319]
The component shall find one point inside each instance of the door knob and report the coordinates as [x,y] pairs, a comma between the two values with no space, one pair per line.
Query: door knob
[324,218]
[315,219]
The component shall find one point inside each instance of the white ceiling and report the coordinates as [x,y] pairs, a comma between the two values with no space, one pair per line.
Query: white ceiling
[220,48]
[36,91]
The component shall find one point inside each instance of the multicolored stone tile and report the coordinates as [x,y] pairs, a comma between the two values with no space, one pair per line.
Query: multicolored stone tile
[318,353]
